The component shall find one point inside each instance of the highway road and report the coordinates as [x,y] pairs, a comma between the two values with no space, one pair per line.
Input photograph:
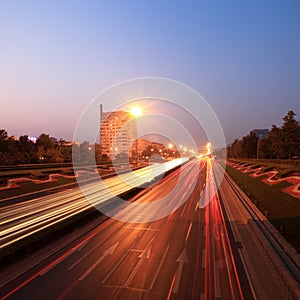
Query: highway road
[186,255]
[29,217]
[190,254]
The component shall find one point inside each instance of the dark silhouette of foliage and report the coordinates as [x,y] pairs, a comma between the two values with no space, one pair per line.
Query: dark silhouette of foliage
[281,143]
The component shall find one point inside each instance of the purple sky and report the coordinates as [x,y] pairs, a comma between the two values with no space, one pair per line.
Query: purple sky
[56,56]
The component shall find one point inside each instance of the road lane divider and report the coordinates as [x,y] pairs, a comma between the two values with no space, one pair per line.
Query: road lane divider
[105,253]
[159,267]
[188,231]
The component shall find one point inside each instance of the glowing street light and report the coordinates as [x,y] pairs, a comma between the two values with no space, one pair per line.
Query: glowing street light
[136,111]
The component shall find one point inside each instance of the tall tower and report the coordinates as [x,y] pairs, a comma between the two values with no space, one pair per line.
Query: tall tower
[117,132]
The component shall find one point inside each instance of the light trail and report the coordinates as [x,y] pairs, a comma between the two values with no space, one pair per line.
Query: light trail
[219,262]
[24,219]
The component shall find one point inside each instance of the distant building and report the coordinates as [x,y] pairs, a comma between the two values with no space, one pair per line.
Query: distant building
[117,132]
[68,143]
[261,133]
[33,139]
[142,145]
[158,146]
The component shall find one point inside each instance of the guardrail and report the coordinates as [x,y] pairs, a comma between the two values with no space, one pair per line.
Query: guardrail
[283,257]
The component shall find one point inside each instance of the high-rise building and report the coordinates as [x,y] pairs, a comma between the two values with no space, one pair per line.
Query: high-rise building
[117,132]
[261,133]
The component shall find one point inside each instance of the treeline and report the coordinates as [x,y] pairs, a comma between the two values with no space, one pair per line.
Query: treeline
[46,149]
[281,143]
[25,151]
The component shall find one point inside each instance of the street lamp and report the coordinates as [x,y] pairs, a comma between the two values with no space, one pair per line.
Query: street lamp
[136,111]
[257,148]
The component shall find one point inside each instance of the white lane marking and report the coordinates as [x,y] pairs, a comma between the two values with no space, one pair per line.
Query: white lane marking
[159,267]
[143,256]
[54,265]
[183,211]
[182,259]
[142,228]
[126,287]
[115,267]
[189,231]
[59,261]
[105,253]
[83,257]
[82,246]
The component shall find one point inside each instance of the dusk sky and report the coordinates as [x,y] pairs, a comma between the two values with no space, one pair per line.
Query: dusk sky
[243,57]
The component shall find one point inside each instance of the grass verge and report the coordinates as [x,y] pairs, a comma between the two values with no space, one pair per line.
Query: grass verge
[30,187]
[282,209]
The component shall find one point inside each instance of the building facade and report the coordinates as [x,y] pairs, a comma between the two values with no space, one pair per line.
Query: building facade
[117,132]
[140,145]
[261,133]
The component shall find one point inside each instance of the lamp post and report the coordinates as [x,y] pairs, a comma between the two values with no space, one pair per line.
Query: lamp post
[136,111]
[257,148]
[136,151]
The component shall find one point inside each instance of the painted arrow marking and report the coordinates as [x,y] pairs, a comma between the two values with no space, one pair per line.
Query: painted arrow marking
[143,256]
[182,259]
[105,253]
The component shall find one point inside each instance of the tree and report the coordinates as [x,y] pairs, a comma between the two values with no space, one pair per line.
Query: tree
[12,153]
[291,135]
[45,141]
[87,152]
[235,149]
[27,150]
[3,135]
[3,140]
[3,146]
[98,153]
[75,153]
[282,142]
[48,150]
[275,139]
[264,148]
[249,145]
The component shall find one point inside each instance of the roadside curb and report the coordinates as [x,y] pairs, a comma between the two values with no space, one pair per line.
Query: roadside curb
[288,248]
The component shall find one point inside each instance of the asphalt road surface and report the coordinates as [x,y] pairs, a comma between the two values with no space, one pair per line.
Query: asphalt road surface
[185,255]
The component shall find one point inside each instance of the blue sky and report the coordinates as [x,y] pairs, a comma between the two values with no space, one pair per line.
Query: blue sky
[56,56]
